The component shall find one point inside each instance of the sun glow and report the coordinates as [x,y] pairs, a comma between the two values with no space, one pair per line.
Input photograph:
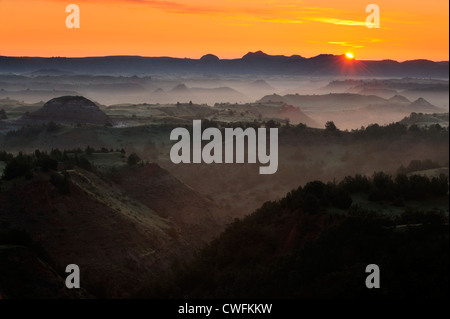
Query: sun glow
[349,55]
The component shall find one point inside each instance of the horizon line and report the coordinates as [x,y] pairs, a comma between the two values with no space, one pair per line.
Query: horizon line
[221,59]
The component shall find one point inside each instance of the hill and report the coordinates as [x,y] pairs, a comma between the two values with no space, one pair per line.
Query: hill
[198,94]
[433,90]
[126,231]
[326,101]
[313,244]
[69,110]
[351,111]
[193,214]
[251,63]
[23,275]
[52,72]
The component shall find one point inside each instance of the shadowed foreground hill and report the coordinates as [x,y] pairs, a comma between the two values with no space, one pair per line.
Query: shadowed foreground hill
[314,244]
[174,200]
[79,217]
[24,275]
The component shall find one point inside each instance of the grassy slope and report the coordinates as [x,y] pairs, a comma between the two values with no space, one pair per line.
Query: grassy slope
[114,238]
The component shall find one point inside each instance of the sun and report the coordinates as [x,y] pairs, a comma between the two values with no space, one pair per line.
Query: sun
[349,55]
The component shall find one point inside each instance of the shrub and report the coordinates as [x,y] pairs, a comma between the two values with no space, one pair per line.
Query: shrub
[311,204]
[133,159]
[341,199]
[21,165]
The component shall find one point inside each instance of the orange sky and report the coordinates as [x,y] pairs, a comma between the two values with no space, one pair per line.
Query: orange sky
[228,28]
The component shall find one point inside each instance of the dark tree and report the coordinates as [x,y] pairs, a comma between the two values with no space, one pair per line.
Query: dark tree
[21,165]
[315,188]
[439,185]
[47,163]
[340,198]
[330,126]
[311,204]
[3,115]
[133,159]
[89,150]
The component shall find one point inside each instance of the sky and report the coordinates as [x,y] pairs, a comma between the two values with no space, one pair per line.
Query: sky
[413,29]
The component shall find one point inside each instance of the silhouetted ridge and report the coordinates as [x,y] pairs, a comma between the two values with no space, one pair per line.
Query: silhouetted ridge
[257,54]
[251,63]
[209,58]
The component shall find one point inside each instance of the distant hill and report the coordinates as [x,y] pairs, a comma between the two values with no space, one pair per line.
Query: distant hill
[179,88]
[251,63]
[399,99]
[398,105]
[350,111]
[69,109]
[345,101]
[52,72]
[211,58]
[336,100]
[181,92]
[279,111]
[400,85]
[294,114]
[434,90]
[260,85]
[421,103]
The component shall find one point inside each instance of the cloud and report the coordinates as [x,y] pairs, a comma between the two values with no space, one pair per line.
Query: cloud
[177,7]
[338,21]
[346,44]
[373,40]
[267,11]
[280,20]
[181,8]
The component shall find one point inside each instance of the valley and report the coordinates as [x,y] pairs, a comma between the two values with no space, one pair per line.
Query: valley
[90,178]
